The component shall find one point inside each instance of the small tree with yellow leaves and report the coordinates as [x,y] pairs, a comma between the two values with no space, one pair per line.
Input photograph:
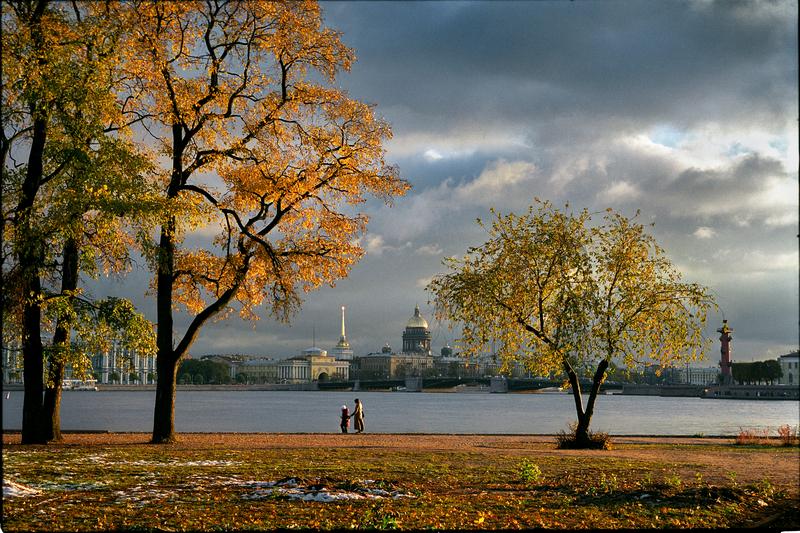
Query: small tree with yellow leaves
[559,294]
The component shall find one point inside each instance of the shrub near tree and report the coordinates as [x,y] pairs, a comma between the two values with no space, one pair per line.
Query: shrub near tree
[557,293]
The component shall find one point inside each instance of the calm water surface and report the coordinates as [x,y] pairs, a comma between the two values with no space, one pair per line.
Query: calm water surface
[404,412]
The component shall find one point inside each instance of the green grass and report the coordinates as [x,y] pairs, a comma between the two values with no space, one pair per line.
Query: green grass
[143,487]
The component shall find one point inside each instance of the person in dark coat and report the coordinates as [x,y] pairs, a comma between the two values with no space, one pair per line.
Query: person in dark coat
[345,419]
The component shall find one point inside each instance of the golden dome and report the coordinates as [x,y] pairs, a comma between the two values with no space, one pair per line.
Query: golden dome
[417,321]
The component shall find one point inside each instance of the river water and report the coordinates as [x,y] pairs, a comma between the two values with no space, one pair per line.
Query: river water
[410,412]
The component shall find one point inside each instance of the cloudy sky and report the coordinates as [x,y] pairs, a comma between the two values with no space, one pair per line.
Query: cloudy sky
[687,111]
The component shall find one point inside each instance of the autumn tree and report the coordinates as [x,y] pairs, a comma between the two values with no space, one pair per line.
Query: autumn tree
[69,176]
[558,293]
[239,97]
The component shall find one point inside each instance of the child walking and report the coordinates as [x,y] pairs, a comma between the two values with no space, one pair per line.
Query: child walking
[345,419]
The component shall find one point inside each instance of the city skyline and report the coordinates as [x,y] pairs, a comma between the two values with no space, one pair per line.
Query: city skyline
[687,112]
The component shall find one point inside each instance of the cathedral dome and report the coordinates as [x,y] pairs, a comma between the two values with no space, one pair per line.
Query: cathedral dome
[417,321]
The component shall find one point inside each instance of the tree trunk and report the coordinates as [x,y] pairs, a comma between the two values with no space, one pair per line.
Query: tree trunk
[29,253]
[32,371]
[167,358]
[61,339]
[166,362]
[585,418]
[29,258]
[52,404]
[164,414]
[576,388]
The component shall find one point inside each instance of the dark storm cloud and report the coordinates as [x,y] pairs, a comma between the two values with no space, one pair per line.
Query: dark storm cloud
[516,60]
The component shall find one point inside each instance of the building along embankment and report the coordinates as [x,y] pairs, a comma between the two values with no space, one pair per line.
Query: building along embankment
[724,392]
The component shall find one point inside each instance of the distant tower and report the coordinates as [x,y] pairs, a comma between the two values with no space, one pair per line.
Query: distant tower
[725,361]
[342,350]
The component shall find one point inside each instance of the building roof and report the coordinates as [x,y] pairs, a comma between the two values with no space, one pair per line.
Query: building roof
[417,321]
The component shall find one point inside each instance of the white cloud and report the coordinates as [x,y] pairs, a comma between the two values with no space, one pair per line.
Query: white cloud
[704,232]
[500,185]
[789,218]
[429,249]
[423,282]
[495,180]
[432,155]
[620,191]
[459,142]
[759,261]
[375,244]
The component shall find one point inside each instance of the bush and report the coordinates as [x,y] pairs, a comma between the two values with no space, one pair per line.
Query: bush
[529,472]
[752,436]
[788,435]
[567,440]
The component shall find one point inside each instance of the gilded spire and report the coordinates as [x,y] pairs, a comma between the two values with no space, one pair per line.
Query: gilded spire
[343,344]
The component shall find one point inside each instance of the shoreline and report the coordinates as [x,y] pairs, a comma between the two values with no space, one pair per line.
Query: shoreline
[769,393]
[372,440]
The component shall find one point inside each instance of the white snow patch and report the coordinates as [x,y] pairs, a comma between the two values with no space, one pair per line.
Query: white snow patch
[179,463]
[290,488]
[11,490]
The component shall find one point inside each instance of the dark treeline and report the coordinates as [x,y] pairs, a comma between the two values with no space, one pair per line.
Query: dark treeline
[197,372]
[757,372]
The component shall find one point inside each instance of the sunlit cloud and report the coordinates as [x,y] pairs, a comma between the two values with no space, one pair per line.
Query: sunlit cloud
[704,232]
[620,191]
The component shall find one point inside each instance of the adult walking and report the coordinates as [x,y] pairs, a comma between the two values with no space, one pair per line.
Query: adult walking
[358,414]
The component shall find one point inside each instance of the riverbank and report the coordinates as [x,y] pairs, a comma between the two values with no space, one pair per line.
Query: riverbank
[262,481]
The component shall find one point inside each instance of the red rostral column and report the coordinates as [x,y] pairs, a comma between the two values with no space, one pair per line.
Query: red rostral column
[725,361]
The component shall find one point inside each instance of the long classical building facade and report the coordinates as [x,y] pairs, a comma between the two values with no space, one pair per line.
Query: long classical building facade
[121,365]
[116,365]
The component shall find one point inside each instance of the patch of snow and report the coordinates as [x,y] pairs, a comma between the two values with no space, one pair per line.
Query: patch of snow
[16,490]
[291,489]
[50,485]
[178,463]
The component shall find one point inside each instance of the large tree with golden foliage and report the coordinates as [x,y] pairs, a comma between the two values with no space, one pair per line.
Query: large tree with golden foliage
[239,98]
[560,294]
[70,177]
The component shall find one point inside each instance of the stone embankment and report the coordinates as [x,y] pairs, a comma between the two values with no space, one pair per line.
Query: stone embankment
[729,392]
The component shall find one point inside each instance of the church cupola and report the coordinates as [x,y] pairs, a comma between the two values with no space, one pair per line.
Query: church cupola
[417,336]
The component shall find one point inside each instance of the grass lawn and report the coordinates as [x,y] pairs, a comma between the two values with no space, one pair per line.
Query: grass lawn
[218,482]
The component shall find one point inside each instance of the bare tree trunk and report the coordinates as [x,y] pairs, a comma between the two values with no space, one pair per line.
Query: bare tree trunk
[32,371]
[164,414]
[29,258]
[585,418]
[166,362]
[61,339]
[30,249]
[52,403]
[576,387]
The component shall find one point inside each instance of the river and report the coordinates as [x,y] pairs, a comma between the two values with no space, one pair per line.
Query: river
[411,412]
